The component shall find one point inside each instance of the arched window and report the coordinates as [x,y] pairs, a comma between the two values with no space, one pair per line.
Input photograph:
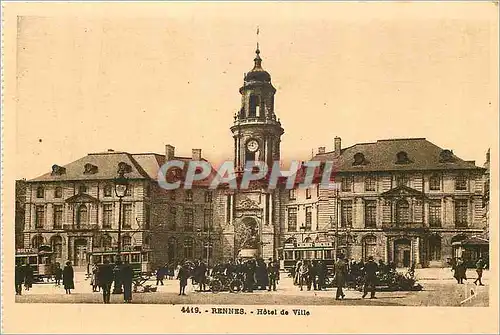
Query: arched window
[82,189]
[254,106]
[147,241]
[37,241]
[402,211]
[82,215]
[188,248]
[56,243]
[290,240]
[126,241]
[106,242]
[58,192]
[108,190]
[369,246]
[40,192]
[308,240]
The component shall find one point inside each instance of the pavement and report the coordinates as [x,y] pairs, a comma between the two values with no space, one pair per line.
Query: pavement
[439,289]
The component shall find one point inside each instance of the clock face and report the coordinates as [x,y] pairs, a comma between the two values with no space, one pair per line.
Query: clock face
[252,145]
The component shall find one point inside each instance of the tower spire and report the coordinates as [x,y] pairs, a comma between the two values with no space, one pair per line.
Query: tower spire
[257,59]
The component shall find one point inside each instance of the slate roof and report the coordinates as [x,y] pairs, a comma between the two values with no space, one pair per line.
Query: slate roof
[381,156]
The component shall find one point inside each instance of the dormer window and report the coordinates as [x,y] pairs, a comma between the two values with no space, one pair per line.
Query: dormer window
[446,156]
[89,169]
[359,159]
[402,158]
[58,170]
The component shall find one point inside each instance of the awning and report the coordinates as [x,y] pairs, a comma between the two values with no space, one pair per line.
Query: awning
[472,241]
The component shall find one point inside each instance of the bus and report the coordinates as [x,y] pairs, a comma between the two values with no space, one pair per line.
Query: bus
[319,251]
[139,260]
[40,259]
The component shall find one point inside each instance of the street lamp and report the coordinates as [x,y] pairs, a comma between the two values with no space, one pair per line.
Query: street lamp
[121,188]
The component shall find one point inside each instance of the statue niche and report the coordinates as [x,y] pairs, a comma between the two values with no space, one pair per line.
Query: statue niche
[247,234]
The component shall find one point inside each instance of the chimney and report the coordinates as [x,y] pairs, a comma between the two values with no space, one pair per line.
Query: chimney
[196,154]
[321,150]
[337,145]
[169,152]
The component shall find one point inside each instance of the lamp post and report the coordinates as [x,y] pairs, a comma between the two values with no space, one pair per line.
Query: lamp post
[348,240]
[302,229]
[121,188]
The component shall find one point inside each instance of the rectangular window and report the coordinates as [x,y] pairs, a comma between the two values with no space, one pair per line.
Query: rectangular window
[370,213]
[292,219]
[370,183]
[292,194]
[461,183]
[346,210]
[435,183]
[208,196]
[40,192]
[58,192]
[188,219]
[129,191]
[402,180]
[58,216]
[461,208]
[173,218]
[189,195]
[207,220]
[127,216]
[228,209]
[346,184]
[39,216]
[107,216]
[308,193]
[435,213]
[308,218]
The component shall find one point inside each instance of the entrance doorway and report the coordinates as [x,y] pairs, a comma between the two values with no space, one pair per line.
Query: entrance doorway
[80,258]
[402,253]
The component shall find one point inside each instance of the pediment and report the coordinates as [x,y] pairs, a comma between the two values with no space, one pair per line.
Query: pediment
[82,197]
[402,191]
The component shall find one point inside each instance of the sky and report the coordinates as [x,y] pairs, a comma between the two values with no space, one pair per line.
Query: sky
[134,77]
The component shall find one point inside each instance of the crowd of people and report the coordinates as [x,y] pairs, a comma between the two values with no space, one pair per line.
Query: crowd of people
[24,274]
[121,274]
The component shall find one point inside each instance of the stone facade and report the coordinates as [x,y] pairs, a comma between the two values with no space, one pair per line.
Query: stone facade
[402,200]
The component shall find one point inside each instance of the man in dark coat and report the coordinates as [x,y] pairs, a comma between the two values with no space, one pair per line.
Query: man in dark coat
[19,278]
[127,277]
[202,276]
[183,276]
[106,277]
[28,277]
[340,276]
[460,271]
[370,276]
[68,277]
[250,275]
[160,274]
[272,273]
[58,274]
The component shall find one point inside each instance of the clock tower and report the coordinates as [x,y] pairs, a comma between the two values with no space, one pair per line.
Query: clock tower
[256,130]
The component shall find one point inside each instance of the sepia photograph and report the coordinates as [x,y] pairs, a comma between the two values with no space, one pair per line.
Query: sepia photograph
[264,162]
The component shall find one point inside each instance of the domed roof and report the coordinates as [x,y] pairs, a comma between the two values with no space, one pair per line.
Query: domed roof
[258,73]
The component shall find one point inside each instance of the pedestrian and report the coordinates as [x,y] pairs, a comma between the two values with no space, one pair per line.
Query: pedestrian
[314,274]
[28,277]
[94,280]
[459,269]
[296,270]
[159,275]
[127,277]
[479,269]
[370,277]
[58,274]
[19,278]
[183,276]
[272,273]
[303,274]
[202,276]
[250,275]
[340,276]
[68,278]
[106,277]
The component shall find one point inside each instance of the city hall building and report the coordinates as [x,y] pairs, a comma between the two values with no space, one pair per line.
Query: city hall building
[400,200]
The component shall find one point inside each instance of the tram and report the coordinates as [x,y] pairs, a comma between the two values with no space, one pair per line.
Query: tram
[139,259]
[40,259]
[320,251]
